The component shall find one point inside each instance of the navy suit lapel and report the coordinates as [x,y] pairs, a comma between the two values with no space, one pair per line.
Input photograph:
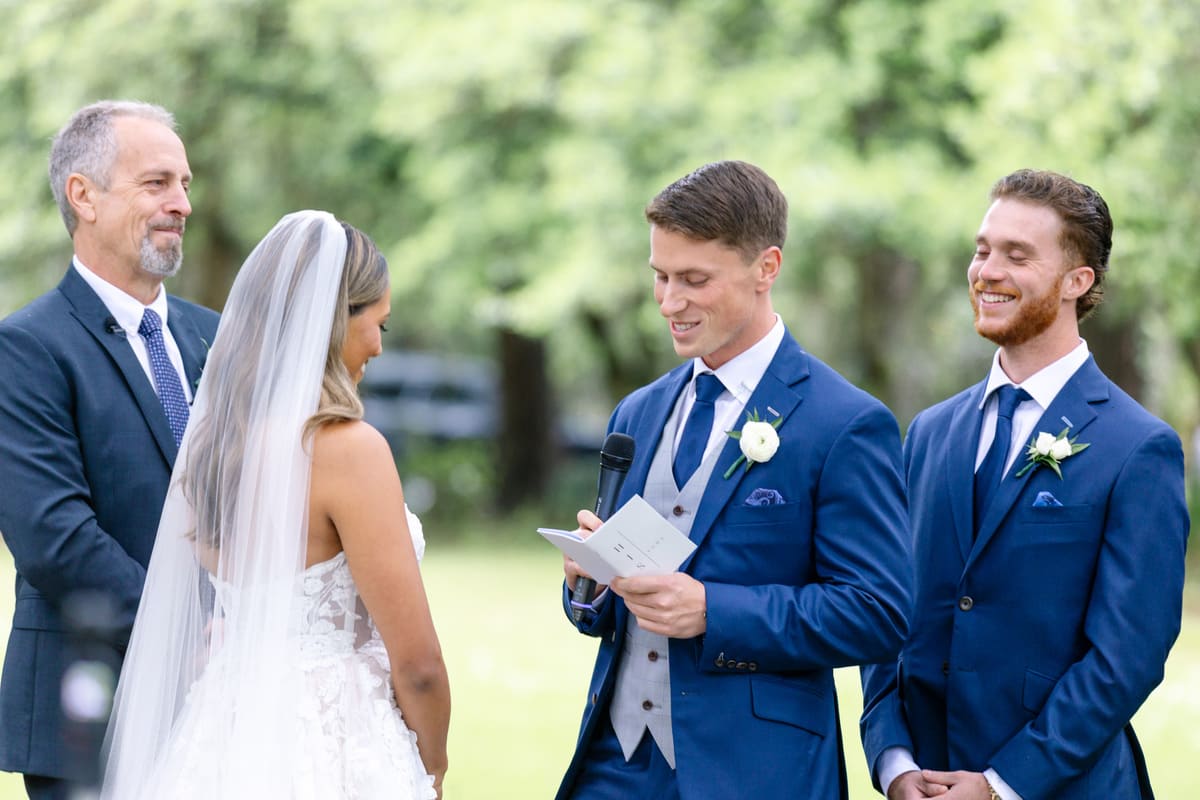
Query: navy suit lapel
[193,347]
[93,315]
[651,426]
[965,427]
[1071,408]
[775,394]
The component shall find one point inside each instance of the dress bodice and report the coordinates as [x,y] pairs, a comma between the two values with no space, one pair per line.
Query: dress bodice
[345,736]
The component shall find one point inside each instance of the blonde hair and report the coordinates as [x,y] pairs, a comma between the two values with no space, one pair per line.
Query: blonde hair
[364,283]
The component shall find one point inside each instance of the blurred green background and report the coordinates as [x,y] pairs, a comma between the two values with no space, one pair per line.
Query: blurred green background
[501,152]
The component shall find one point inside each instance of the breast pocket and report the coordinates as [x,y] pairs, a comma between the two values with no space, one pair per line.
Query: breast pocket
[1060,523]
[779,513]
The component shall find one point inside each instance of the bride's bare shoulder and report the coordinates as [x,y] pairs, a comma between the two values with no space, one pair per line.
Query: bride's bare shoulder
[349,446]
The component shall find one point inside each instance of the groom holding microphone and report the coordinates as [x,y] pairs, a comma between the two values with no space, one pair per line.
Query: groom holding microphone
[717,680]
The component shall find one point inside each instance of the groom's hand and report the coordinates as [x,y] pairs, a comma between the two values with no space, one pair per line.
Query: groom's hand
[588,523]
[671,605]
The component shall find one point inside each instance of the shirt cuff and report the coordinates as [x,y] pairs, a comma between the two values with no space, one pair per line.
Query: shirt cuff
[1003,789]
[894,762]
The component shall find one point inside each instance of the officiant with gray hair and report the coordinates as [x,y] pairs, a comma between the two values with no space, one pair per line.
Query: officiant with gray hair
[717,680]
[95,382]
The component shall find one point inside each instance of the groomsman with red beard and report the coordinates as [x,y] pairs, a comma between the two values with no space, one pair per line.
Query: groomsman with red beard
[1049,525]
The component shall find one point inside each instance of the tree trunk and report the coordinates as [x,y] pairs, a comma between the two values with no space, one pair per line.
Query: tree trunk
[1115,344]
[527,421]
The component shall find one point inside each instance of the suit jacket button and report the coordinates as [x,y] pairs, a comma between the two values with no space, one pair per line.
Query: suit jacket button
[945,667]
[594,698]
[741,665]
[753,666]
[731,664]
[719,660]
[965,603]
[678,511]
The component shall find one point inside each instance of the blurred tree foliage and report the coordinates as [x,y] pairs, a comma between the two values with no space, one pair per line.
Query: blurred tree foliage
[502,152]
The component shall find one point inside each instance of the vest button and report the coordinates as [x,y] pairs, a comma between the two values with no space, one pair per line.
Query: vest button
[652,655]
[647,705]
[965,603]
[678,511]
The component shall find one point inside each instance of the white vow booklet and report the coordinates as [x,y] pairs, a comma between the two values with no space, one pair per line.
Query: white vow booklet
[633,541]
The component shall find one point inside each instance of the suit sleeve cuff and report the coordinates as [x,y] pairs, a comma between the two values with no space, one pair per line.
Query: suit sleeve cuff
[894,762]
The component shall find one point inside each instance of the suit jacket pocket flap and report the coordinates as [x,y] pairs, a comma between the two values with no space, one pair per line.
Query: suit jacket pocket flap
[1037,688]
[791,704]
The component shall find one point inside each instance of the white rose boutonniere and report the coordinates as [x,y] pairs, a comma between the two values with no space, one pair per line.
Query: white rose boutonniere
[1051,450]
[758,440]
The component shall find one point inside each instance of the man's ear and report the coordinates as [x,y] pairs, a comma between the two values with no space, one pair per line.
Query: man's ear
[1077,281]
[768,265]
[81,194]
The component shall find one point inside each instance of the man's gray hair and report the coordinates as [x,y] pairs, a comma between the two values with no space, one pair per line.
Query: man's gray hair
[87,144]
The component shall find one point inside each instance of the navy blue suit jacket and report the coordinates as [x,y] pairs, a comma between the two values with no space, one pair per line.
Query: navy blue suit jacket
[85,457]
[1034,643]
[819,581]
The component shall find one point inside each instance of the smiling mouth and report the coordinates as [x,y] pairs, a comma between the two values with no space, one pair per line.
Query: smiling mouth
[683,327]
[992,298]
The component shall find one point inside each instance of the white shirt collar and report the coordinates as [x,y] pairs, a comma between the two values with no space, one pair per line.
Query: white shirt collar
[1045,384]
[126,309]
[741,374]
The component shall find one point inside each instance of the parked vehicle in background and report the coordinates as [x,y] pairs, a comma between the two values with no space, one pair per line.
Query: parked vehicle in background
[410,394]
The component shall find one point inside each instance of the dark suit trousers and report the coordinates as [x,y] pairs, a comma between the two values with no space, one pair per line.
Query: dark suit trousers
[41,788]
[605,775]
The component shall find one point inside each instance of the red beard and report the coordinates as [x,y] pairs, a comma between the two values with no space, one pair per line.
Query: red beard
[1034,316]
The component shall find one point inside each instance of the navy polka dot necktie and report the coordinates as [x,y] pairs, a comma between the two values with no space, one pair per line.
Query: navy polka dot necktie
[991,469]
[698,428]
[166,379]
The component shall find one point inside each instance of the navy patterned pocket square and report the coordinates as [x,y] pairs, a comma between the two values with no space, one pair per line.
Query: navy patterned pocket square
[764,497]
[1046,500]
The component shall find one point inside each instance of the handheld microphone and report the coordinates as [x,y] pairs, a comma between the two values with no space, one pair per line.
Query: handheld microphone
[615,457]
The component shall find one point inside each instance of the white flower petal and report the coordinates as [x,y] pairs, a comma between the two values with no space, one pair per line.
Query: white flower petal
[1060,450]
[759,441]
[1044,442]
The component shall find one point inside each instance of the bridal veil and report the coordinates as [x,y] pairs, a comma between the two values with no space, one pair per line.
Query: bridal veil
[219,596]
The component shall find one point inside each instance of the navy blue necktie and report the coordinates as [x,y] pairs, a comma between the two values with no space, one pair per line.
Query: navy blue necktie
[991,469]
[166,379]
[698,428]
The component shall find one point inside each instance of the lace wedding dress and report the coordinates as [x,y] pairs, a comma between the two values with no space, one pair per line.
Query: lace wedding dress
[348,738]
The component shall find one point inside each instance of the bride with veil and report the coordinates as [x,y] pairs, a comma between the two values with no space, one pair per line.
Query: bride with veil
[284,646]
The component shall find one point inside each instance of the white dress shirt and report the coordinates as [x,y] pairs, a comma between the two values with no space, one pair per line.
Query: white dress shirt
[1043,386]
[127,311]
[740,377]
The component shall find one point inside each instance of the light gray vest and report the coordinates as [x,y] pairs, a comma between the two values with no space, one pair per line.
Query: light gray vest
[642,699]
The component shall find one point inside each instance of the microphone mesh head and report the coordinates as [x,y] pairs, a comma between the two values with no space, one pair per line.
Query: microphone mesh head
[617,451]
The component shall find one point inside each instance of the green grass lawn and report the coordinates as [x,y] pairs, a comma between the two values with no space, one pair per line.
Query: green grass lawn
[519,673]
